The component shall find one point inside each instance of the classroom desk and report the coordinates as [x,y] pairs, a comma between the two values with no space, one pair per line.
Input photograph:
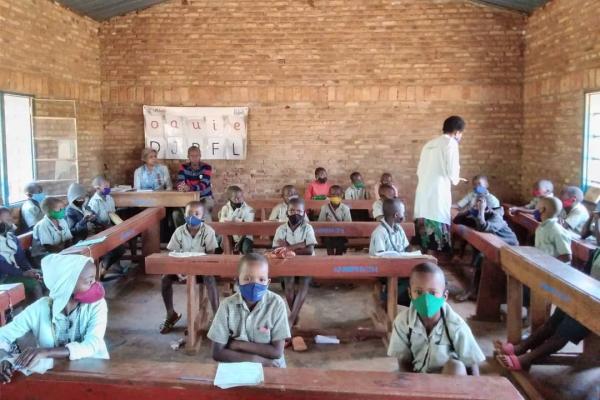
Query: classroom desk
[146,223]
[10,295]
[263,207]
[492,285]
[167,198]
[327,267]
[322,229]
[100,380]
[550,281]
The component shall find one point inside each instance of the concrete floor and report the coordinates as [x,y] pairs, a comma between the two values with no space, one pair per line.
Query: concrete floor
[136,310]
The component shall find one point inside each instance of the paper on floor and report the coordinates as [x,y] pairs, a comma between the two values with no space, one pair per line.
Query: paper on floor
[239,374]
[320,339]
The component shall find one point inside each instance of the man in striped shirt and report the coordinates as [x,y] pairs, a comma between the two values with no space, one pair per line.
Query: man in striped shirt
[194,176]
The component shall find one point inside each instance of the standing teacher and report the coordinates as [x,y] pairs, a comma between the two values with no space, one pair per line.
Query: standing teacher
[438,169]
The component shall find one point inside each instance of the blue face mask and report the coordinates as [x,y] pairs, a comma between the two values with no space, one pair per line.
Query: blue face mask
[194,221]
[537,215]
[479,189]
[253,292]
[39,197]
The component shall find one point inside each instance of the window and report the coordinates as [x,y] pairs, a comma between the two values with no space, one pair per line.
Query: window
[17,145]
[38,141]
[591,149]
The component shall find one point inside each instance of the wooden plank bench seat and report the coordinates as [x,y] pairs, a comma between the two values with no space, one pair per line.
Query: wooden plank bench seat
[101,380]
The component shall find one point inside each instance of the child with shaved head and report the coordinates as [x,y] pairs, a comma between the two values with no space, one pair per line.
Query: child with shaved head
[550,236]
[574,214]
[541,189]
[429,337]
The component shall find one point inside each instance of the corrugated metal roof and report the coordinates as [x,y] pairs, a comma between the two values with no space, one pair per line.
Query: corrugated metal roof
[105,9]
[520,5]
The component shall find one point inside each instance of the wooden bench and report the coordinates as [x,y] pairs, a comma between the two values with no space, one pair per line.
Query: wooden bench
[492,285]
[146,223]
[322,229]
[551,282]
[154,199]
[327,267]
[101,380]
[263,207]
[10,295]
[25,240]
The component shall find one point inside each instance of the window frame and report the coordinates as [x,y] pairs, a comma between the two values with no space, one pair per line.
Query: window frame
[3,167]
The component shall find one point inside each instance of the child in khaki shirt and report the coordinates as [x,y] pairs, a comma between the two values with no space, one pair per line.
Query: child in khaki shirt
[236,210]
[385,192]
[429,336]
[252,324]
[335,211]
[541,189]
[550,236]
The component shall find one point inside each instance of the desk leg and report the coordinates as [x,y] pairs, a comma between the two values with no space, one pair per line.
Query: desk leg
[392,298]
[193,306]
[514,303]
[539,310]
[151,240]
[492,289]
[2,318]
[227,244]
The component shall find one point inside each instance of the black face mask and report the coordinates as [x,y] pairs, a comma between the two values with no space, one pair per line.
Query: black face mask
[235,206]
[4,228]
[321,180]
[295,219]
[79,203]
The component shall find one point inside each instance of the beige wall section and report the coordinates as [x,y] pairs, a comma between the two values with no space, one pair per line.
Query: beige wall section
[49,52]
[348,85]
[562,62]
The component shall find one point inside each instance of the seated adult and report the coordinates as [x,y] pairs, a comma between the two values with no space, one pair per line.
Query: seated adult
[151,175]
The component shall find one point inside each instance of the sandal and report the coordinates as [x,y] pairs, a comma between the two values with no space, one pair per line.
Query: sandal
[507,349]
[510,362]
[169,323]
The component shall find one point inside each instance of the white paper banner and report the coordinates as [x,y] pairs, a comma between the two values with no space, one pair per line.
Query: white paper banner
[220,132]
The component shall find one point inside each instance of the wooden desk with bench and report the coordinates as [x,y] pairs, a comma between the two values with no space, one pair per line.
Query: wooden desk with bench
[492,285]
[328,267]
[263,207]
[322,229]
[145,199]
[10,295]
[101,380]
[551,282]
[146,223]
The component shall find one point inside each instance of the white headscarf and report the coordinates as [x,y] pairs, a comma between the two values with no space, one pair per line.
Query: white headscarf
[61,273]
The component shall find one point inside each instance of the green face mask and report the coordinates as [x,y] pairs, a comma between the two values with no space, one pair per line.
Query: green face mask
[359,185]
[60,214]
[427,305]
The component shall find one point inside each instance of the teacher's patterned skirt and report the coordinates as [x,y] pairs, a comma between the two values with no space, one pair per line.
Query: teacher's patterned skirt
[434,235]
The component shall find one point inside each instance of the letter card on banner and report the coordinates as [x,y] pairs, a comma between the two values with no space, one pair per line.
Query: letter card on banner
[220,132]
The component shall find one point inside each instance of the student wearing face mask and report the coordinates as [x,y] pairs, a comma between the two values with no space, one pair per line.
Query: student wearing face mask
[428,336]
[236,210]
[279,212]
[319,188]
[299,237]
[51,234]
[194,236]
[335,211]
[574,215]
[251,325]
[541,189]
[102,203]
[480,187]
[7,218]
[68,324]
[14,265]
[31,211]
[81,219]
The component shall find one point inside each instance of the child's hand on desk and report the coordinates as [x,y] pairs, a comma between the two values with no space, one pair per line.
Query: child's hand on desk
[182,187]
[6,371]
[29,357]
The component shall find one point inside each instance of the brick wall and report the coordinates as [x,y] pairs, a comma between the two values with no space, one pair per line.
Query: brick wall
[562,61]
[49,52]
[348,85]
